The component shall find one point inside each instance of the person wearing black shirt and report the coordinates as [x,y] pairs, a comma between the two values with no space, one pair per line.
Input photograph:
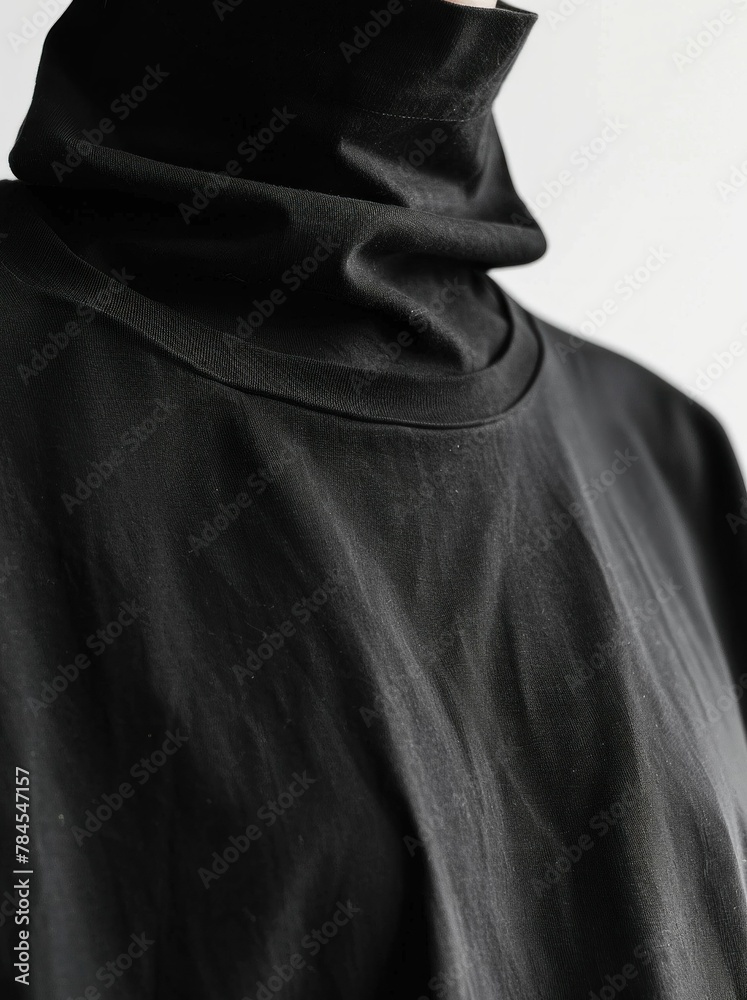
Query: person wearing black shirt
[363,634]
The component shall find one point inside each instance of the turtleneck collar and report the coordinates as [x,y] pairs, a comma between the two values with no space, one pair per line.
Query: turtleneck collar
[325,180]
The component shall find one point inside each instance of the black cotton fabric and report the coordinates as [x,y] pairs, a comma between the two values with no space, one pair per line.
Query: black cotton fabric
[363,635]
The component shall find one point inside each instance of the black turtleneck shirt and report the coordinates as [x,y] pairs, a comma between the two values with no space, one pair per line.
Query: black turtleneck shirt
[362,635]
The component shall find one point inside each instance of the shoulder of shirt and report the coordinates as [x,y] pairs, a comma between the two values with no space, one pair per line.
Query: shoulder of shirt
[630,394]
[621,379]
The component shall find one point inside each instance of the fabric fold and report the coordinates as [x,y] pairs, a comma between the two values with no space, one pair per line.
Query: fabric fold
[213,149]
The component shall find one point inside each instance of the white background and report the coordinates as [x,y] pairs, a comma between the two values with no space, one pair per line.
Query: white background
[682,131]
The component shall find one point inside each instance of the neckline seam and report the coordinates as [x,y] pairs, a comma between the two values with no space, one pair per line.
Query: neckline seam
[192,365]
[465,400]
